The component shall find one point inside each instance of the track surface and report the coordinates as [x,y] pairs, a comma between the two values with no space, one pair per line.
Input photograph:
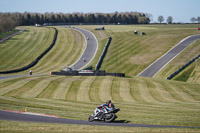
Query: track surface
[20,30]
[12,116]
[155,67]
[90,50]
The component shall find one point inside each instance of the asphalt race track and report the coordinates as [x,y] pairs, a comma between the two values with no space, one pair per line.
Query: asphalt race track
[20,30]
[155,67]
[90,50]
[12,116]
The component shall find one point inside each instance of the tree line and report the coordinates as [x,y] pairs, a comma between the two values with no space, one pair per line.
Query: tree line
[9,20]
[193,19]
[170,19]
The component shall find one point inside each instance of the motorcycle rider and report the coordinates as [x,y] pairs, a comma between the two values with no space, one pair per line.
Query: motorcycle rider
[104,108]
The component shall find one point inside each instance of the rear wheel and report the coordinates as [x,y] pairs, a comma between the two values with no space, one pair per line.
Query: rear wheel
[91,119]
[110,117]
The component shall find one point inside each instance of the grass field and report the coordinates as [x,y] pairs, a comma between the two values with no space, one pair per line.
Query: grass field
[22,49]
[142,100]
[25,127]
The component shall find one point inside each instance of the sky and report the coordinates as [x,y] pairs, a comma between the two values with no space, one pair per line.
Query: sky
[180,10]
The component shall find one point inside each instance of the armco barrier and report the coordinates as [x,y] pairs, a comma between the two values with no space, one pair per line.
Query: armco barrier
[36,60]
[98,65]
[89,73]
[183,67]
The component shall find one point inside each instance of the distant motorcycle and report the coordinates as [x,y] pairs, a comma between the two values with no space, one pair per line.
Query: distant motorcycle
[106,116]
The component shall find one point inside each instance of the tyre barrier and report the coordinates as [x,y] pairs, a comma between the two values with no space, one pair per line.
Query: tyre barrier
[183,67]
[98,65]
[36,60]
[87,73]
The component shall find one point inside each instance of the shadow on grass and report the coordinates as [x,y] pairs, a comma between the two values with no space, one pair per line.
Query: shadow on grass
[115,121]
[26,30]
[13,38]
[121,121]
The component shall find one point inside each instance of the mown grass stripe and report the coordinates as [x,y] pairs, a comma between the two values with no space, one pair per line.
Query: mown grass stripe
[94,89]
[105,89]
[134,90]
[28,49]
[60,45]
[10,48]
[7,82]
[115,92]
[83,92]
[73,90]
[166,96]
[68,49]
[145,92]
[124,89]
[49,90]
[14,86]
[185,97]
[170,90]
[77,49]
[38,88]
[62,90]
[155,94]
[19,91]
[193,92]
[50,56]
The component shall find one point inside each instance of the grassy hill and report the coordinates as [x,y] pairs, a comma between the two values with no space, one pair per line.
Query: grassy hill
[142,100]
[130,54]
[22,49]
[25,47]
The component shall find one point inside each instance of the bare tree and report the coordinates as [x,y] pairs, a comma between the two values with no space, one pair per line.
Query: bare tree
[198,19]
[150,16]
[170,20]
[193,19]
[160,19]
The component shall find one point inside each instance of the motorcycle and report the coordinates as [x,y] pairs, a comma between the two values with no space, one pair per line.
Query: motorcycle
[106,116]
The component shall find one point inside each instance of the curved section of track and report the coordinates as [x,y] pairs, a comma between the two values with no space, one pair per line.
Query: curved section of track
[13,116]
[160,63]
[90,50]
[7,37]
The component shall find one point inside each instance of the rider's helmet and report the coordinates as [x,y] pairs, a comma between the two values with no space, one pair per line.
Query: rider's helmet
[108,102]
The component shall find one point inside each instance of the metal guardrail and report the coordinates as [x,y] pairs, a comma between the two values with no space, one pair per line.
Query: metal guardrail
[183,67]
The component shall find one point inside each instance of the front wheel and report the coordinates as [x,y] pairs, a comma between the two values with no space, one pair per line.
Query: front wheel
[91,119]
